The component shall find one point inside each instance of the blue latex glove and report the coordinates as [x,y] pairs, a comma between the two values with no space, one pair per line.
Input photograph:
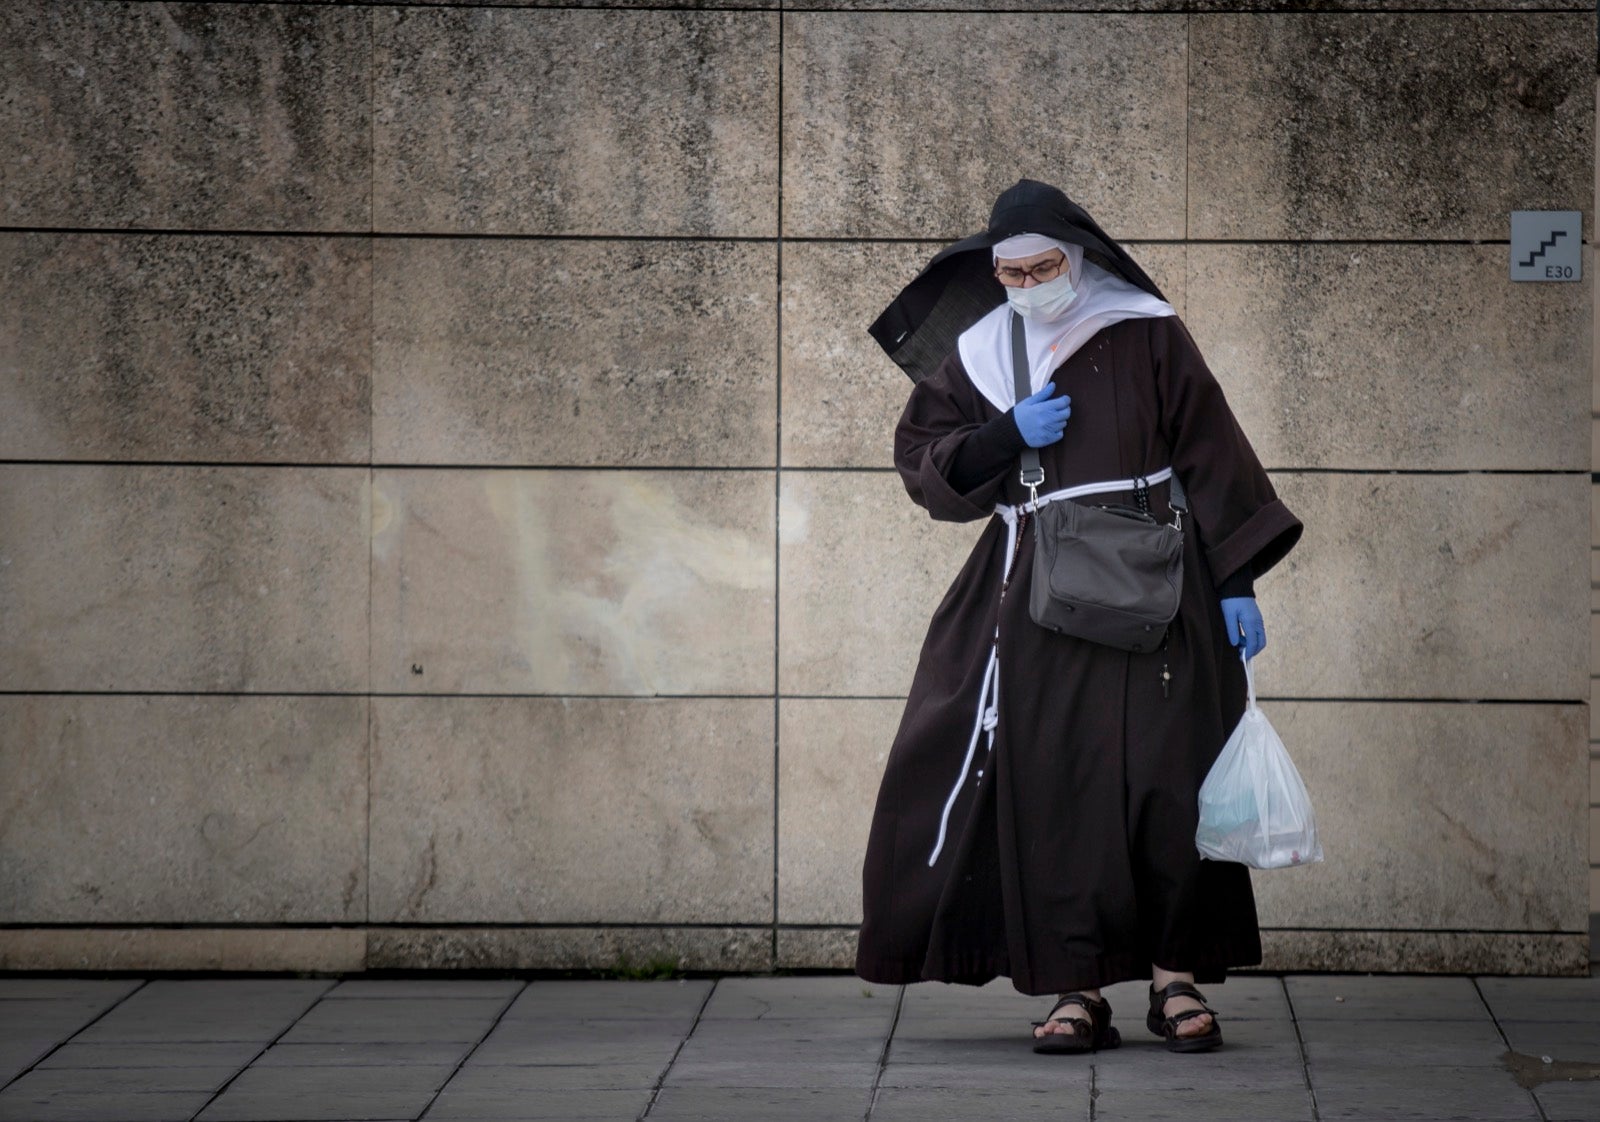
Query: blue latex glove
[1242,618]
[1041,419]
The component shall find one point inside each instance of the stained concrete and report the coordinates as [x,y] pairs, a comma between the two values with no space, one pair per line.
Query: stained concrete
[519,353]
[151,578]
[1334,356]
[204,348]
[863,569]
[597,947]
[183,809]
[570,122]
[1374,125]
[507,810]
[1482,834]
[186,116]
[1429,586]
[831,754]
[900,125]
[572,582]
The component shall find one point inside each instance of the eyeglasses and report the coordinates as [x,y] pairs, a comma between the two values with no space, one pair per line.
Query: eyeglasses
[1011,276]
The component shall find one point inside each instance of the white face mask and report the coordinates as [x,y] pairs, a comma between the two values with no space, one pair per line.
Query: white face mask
[1043,302]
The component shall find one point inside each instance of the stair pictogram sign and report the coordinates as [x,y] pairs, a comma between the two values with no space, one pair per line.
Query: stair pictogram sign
[1546,245]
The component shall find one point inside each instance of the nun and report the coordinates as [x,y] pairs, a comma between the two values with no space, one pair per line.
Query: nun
[1036,817]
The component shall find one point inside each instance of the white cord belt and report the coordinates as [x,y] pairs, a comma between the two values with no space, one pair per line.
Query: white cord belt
[988,715]
[1009,512]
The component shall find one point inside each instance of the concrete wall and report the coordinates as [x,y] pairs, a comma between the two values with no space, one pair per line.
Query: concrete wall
[445,509]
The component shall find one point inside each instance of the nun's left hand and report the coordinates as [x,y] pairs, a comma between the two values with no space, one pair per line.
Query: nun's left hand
[1242,617]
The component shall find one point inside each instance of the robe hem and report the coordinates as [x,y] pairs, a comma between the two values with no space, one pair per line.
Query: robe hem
[1108,971]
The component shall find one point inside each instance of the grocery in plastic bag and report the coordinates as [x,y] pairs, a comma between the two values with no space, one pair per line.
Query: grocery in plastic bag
[1254,808]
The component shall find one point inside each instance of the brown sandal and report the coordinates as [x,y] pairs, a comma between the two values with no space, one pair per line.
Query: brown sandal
[1168,1026]
[1085,1037]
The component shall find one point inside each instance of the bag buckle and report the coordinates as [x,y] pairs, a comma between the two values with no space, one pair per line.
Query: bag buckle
[1031,478]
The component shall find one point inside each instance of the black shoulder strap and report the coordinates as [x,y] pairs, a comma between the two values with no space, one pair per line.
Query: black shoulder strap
[1032,470]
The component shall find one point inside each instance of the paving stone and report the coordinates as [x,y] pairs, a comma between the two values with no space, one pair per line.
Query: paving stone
[358,1012]
[538,1106]
[86,990]
[1027,1071]
[910,1104]
[319,1106]
[54,1020]
[769,1104]
[1457,1093]
[372,1027]
[1144,1063]
[779,1041]
[113,1107]
[72,1054]
[46,1082]
[1328,1037]
[333,1081]
[1237,999]
[998,996]
[425,987]
[1232,1104]
[556,1077]
[514,1053]
[1565,1040]
[802,997]
[189,993]
[1569,1102]
[1385,999]
[799,1069]
[1543,999]
[357,1054]
[1416,1046]
[206,1010]
[594,1000]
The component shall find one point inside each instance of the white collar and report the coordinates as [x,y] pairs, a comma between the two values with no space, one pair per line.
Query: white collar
[1103,299]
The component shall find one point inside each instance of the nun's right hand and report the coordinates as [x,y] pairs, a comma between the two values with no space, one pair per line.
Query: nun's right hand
[1042,419]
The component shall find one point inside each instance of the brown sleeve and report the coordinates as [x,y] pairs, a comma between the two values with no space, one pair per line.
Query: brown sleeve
[1242,523]
[942,413]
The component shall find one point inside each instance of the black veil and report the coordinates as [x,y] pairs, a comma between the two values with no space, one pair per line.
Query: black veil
[919,328]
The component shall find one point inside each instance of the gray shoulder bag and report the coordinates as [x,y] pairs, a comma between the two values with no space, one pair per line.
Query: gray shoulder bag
[1107,573]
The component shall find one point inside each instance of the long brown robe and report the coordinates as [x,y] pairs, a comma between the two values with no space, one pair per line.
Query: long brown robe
[1069,860]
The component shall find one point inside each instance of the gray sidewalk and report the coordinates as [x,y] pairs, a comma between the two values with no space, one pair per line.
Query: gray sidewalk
[812,1048]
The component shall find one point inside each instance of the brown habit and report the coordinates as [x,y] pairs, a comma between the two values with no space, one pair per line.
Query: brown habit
[1069,860]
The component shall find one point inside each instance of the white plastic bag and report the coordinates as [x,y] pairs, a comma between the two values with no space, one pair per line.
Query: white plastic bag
[1253,805]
